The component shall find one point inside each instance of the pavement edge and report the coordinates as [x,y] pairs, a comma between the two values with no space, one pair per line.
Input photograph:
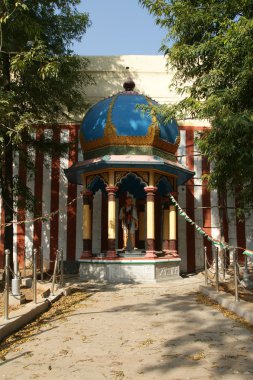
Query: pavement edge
[241,308]
[28,313]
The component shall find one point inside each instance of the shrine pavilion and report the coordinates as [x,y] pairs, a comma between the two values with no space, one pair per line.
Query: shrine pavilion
[127,150]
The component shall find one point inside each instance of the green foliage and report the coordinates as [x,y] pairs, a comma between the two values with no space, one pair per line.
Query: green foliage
[210,44]
[41,81]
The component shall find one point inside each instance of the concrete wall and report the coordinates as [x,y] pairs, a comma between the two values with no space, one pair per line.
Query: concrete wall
[150,73]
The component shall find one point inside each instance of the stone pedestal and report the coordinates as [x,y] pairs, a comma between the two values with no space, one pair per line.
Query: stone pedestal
[130,270]
[27,282]
[16,300]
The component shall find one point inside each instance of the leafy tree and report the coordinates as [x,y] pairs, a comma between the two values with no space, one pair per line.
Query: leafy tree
[41,81]
[210,44]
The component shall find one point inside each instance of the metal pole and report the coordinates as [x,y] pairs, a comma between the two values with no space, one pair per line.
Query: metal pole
[217,268]
[224,263]
[7,284]
[15,282]
[41,264]
[35,275]
[55,270]
[61,281]
[206,275]
[235,271]
[24,269]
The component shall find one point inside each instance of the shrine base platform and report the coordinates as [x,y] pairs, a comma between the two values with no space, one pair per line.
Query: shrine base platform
[129,269]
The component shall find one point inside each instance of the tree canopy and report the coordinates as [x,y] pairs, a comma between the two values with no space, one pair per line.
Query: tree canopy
[40,77]
[210,44]
[41,81]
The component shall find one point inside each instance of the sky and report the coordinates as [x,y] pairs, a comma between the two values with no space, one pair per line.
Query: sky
[119,27]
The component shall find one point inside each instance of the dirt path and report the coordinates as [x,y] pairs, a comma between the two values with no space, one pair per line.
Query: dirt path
[133,332]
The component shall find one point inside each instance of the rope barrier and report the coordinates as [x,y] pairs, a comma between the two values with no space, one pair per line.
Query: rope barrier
[44,218]
[15,275]
[199,229]
[204,234]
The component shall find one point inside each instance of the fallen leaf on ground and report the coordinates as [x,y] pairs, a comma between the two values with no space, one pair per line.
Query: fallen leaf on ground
[118,375]
[198,356]
[146,343]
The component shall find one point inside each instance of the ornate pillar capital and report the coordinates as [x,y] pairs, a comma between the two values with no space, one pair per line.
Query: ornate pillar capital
[111,189]
[150,189]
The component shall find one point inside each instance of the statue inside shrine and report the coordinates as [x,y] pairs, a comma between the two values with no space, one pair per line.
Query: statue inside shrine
[129,219]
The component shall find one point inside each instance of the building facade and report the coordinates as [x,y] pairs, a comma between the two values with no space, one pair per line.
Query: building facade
[64,201]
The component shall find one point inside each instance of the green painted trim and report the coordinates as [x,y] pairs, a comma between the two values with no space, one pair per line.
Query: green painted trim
[132,262]
[128,149]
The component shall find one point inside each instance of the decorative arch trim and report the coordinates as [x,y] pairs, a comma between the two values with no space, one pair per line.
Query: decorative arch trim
[142,176]
[91,179]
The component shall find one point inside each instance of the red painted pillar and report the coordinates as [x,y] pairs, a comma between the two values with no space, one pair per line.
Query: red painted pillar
[72,194]
[21,213]
[104,223]
[206,203]
[166,225]
[190,230]
[142,224]
[87,227]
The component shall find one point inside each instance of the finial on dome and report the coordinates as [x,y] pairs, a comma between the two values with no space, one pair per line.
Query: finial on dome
[129,84]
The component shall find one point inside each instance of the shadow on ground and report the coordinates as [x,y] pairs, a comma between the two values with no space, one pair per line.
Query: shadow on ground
[203,337]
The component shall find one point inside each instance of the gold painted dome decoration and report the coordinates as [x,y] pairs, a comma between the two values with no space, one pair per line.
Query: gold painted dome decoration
[116,125]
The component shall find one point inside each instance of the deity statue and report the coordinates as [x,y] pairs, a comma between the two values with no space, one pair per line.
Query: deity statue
[129,219]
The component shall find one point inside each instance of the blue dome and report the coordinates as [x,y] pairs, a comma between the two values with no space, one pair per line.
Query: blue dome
[117,121]
[128,120]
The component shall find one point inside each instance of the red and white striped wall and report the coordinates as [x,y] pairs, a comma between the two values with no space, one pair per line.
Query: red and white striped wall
[64,230]
[202,206]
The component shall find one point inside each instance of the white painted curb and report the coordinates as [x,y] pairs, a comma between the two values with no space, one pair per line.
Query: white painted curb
[21,317]
[241,308]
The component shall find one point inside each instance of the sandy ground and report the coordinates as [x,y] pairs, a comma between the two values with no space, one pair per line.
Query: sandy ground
[132,332]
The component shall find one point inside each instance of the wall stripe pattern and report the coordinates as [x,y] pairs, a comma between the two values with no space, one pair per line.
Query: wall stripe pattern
[64,230]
